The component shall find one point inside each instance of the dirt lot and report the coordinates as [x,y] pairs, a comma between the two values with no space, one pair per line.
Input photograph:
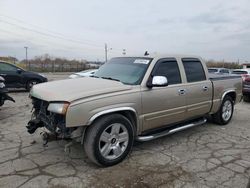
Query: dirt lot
[204,156]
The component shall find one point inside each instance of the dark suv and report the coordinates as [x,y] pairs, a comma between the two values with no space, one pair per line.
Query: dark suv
[15,77]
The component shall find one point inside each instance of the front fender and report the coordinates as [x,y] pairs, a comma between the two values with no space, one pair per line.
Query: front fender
[80,116]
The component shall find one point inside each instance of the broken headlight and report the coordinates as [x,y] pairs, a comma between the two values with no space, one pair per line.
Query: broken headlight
[58,107]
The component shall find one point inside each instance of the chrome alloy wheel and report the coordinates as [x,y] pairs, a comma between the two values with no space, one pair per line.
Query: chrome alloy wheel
[227,110]
[113,141]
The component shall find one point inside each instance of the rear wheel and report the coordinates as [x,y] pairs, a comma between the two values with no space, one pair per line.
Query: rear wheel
[109,140]
[225,113]
[30,84]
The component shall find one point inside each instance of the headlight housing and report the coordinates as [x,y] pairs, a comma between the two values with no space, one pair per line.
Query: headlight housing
[58,107]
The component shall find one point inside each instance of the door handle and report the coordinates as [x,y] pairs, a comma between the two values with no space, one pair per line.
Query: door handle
[182,91]
[205,88]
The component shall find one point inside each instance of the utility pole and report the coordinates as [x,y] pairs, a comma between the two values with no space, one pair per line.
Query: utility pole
[26,49]
[106,52]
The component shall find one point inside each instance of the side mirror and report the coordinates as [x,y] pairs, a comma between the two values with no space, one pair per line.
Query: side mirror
[158,81]
[19,71]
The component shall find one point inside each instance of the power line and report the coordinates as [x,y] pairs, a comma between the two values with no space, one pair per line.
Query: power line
[47,34]
[51,44]
[55,34]
[10,32]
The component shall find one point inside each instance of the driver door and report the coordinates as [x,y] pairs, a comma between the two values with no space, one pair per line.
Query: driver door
[164,105]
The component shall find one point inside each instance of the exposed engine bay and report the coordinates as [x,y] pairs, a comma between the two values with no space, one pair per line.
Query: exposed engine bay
[52,122]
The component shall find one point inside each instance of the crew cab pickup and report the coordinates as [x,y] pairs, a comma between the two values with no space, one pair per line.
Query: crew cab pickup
[133,98]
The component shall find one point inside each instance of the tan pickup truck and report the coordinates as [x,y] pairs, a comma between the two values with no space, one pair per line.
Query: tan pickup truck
[133,98]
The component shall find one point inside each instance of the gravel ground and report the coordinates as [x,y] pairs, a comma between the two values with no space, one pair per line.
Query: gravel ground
[204,156]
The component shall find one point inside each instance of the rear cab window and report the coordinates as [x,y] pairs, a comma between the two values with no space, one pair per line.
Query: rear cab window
[194,70]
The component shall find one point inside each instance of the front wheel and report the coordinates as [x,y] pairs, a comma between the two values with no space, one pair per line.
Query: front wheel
[225,113]
[109,140]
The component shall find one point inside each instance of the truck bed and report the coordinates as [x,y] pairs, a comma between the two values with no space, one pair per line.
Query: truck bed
[222,76]
[223,84]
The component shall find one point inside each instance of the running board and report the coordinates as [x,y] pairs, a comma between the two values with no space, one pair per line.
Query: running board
[171,131]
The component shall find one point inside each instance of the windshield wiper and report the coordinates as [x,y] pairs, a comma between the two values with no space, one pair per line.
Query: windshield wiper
[109,78]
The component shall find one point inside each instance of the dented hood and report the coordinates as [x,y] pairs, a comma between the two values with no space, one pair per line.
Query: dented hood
[74,89]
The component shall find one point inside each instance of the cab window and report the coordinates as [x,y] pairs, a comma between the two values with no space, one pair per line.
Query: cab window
[168,68]
[193,69]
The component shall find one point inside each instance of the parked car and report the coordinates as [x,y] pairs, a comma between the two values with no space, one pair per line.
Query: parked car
[133,98]
[16,77]
[245,73]
[4,92]
[219,70]
[85,73]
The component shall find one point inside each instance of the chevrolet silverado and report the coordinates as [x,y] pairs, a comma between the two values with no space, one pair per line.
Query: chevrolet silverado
[133,98]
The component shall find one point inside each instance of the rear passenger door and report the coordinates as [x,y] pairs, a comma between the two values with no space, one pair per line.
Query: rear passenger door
[198,88]
[164,105]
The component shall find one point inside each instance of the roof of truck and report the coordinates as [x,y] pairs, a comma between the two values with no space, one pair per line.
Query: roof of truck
[160,56]
[169,55]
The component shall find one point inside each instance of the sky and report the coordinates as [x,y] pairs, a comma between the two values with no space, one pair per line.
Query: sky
[78,29]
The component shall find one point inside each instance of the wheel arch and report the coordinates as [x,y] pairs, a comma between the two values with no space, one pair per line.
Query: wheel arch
[129,112]
[231,93]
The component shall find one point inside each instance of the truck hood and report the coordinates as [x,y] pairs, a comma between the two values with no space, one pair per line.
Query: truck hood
[74,89]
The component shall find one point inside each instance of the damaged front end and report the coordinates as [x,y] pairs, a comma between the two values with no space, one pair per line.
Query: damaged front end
[52,117]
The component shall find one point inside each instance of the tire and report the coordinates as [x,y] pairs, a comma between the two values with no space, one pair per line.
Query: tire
[246,98]
[30,84]
[109,140]
[225,113]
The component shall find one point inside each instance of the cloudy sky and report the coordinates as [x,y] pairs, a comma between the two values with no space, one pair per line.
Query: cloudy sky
[214,29]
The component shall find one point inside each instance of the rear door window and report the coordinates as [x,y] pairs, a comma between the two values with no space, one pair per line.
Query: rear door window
[193,69]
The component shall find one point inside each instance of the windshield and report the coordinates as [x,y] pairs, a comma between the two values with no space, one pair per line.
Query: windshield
[128,70]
